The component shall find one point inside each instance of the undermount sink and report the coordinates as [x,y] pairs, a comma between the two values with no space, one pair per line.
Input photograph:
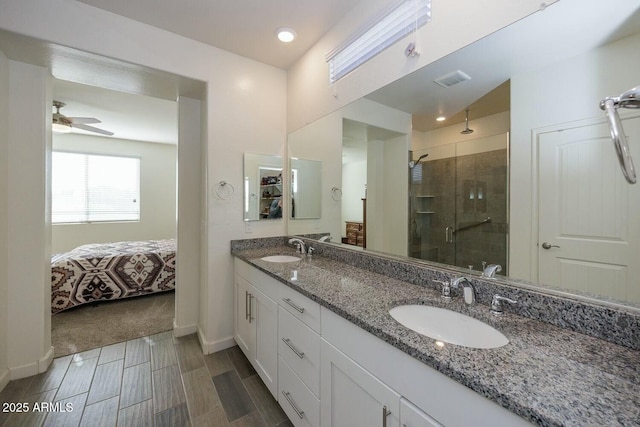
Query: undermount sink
[281,258]
[448,326]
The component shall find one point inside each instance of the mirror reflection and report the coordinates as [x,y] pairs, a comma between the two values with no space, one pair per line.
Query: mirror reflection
[305,188]
[262,187]
[527,178]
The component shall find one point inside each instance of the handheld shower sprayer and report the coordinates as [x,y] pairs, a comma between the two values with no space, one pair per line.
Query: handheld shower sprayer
[413,163]
[629,99]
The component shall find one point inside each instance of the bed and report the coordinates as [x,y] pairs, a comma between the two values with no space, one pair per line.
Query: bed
[110,271]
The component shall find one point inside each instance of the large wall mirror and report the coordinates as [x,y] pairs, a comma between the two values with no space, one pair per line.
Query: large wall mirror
[263,187]
[522,172]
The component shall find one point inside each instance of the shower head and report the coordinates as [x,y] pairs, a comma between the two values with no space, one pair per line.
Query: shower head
[466,130]
[413,163]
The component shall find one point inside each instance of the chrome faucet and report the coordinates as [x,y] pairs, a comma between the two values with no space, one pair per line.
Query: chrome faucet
[299,244]
[468,291]
[496,304]
[490,270]
[326,238]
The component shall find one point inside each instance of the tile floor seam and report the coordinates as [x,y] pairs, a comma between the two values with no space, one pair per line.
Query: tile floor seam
[181,407]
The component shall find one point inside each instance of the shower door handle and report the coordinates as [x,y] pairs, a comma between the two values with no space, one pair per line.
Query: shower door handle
[448,235]
[546,245]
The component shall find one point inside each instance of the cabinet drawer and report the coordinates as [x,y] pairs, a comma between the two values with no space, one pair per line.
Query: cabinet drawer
[412,416]
[266,284]
[301,307]
[299,346]
[297,401]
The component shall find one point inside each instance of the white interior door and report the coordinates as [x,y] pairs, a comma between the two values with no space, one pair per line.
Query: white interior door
[589,216]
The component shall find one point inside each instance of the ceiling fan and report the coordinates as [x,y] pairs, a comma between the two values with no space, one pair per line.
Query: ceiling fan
[63,124]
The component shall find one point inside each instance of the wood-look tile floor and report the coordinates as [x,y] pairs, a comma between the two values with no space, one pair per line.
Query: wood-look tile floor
[151,381]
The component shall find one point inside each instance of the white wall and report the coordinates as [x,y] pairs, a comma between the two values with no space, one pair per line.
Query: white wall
[448,139]
[453,26]
[354,180]
[387,195]
[4,221]
[157,193]
[567,91]
[188,215]
[29,348]
[245,108]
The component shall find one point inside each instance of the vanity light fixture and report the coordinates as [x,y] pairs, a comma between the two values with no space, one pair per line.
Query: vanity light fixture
[286,35]
[441,119]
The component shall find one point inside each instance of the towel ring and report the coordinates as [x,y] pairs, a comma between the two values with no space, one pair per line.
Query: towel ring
[336,194]
[224,190]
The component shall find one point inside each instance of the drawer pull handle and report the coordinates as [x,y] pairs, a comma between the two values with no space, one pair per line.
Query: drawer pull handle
[251,317]
[299,353]
[287,396]
[246,305]
[298,309]
[385,414]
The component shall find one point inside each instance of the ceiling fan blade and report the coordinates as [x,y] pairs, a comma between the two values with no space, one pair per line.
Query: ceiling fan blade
[83,120]
[91,129]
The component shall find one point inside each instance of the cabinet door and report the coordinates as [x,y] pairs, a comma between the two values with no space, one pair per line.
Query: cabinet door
[412,416]
[245,332]
[351,396]
[265,313]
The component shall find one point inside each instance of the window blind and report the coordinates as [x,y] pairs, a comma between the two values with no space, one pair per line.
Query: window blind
[399,22]
[92,188]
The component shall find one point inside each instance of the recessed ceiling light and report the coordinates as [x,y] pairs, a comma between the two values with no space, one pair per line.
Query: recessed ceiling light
[441,119]
[285,35]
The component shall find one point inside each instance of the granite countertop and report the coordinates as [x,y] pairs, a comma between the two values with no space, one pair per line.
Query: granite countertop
[546,374]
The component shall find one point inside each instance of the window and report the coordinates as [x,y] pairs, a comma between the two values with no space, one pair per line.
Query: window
[90,188]
[402,20]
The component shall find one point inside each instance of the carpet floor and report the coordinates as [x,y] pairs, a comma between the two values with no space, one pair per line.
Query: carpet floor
[97,325]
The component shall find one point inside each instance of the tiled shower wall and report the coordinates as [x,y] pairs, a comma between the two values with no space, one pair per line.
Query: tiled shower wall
[457,192]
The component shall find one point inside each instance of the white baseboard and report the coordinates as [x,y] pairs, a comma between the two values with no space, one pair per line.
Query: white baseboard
[45,361]
[23,371]
[4,379]
[181,331]
[33,368]
[209,347]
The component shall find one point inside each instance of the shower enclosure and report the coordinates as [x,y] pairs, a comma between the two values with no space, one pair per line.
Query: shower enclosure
[458,203]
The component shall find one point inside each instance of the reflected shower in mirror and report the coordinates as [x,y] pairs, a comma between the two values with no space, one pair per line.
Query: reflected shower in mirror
[306,200]
[262,187]
[562,216]
[461,189]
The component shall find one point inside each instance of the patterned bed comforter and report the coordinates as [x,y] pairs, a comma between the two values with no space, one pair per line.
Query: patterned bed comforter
[109,271]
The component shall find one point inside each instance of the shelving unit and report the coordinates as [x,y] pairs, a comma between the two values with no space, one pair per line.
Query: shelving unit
[270,189]
[423,205]
[269,193]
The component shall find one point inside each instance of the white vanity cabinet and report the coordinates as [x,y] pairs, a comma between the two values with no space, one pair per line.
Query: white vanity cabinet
[351,396]
[412,416]
[326,371]
[256,321]
[299,356]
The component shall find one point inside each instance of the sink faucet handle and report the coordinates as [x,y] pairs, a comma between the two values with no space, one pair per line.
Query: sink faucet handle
[446,289]
[496,304]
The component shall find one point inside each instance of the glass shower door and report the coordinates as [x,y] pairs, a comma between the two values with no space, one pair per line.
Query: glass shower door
[458,204]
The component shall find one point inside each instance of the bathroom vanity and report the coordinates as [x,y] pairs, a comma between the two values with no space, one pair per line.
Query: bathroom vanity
[319,333]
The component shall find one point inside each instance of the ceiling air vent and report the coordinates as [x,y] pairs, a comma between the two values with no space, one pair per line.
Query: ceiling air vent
[452,78]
